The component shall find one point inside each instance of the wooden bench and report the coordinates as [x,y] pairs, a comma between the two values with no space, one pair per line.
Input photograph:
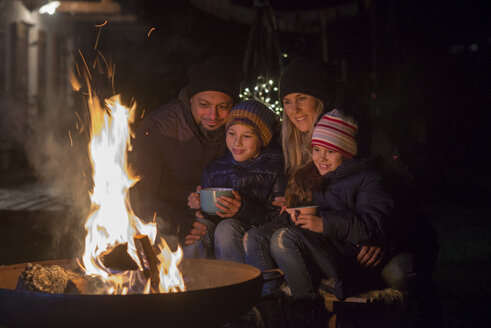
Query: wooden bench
[376,308]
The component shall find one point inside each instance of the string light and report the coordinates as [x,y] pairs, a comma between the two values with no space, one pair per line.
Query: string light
[266,91]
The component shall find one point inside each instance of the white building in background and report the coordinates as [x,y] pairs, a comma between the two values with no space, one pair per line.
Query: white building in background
[37,52]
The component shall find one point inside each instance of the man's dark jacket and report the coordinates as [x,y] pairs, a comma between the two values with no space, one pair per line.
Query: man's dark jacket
[169,154]
[257,180]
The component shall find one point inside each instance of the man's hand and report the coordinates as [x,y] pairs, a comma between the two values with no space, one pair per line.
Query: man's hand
[198,230]
[370,256]
[309,221]
[230,206]
[194,199]
[199,214]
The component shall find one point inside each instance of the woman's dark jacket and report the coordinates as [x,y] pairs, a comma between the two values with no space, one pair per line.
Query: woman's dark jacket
[257,180]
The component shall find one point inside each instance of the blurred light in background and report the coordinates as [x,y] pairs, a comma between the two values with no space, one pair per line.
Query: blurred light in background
[49,8]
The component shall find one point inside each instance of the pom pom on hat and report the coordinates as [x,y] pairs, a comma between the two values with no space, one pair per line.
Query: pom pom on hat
[215,74]
[336,132]
[256,115]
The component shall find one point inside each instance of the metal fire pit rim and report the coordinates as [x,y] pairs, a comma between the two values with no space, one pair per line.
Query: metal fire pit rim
[66,263]
[207,307]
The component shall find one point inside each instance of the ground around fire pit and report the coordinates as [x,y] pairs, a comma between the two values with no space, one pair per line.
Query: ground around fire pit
[462,271]
[35,225]
[464,266]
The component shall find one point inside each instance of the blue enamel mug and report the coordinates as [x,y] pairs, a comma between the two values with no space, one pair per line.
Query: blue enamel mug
[209,196]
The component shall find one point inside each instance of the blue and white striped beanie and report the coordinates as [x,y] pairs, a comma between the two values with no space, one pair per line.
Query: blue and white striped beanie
[336,132]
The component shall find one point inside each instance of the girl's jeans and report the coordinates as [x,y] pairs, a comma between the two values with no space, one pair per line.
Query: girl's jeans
[287,250]
[258,254]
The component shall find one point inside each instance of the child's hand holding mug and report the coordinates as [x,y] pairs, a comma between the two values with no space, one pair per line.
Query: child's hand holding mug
[229,206]
[306,217]
[224,202]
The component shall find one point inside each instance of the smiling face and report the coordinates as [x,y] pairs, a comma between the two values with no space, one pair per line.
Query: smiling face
[302,110]
[242,142]
[210,109]
[326,160]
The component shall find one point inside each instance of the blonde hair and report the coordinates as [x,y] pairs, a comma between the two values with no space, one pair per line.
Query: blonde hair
[296,144]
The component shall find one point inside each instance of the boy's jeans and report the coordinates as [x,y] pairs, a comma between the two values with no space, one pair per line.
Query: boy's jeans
[257,252]
[229,236]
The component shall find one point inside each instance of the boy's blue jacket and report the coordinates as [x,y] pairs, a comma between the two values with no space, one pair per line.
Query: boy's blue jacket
[257,180]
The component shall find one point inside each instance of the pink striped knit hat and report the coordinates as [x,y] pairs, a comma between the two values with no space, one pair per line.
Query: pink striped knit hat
[336,132]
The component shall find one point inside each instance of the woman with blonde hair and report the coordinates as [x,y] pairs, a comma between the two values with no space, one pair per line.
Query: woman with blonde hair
[307,90]
[294,141]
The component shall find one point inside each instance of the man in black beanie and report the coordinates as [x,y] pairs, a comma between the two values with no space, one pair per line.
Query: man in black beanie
[174,143]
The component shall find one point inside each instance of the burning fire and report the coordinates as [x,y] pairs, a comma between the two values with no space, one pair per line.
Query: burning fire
[111,221]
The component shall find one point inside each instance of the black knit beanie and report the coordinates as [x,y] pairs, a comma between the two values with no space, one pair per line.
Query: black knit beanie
[310,77]
[215,74]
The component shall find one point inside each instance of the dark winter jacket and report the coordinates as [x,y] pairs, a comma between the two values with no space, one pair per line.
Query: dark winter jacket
[354,206]
[169,154]
[355,211]
[257,180]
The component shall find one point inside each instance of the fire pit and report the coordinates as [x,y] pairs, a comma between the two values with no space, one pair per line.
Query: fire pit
[216,292]
[177,292]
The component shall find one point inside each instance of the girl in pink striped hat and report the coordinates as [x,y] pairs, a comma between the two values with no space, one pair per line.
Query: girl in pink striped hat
[354,210]
[333,142]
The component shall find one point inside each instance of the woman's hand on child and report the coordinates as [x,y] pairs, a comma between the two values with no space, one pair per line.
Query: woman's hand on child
[230,207]
[310,222]
[370,256]
[194,199]
[280,202]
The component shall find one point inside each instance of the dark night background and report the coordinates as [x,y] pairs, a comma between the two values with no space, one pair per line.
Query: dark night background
[423,66]
[433,61]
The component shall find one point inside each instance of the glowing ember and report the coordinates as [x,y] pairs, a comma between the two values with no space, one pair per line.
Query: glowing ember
[111,221]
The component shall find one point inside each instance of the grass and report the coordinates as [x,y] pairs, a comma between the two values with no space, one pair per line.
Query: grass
[464,266]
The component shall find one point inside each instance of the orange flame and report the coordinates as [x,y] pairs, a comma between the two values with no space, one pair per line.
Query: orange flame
[101,25]
[111,221]
[150,32]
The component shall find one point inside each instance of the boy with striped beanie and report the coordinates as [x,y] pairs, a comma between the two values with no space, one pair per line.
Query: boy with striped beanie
[253,167]
[255,115]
